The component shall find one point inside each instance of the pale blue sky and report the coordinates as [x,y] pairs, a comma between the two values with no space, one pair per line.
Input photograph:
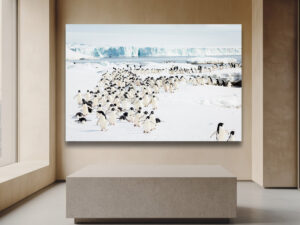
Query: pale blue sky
[164,36]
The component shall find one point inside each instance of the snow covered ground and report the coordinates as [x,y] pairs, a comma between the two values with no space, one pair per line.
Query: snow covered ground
[190,114]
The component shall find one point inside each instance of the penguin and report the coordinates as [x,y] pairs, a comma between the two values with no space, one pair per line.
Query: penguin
[99,107]
[107,104]
[166,86]
[137,117]
[85,110]
[87,95]
[154,102]
[78,97]
[102,121]
[95,101]
[202,81]
[146,100]
[125,102]
[112,117]
[110,97]
[124,116]
[182,79]
[171,88]
[222,83]
[156,89]
[159,82]
[116,100]
[152,120]
[220,133]
[103,99]
[78,115]
[147,125]
[81,120]
[145,115]
[138,103]
[131,114]
[231,136]
[210,81]
[89,103]
[200,69]
[98,113]
[236,83]
[229,84]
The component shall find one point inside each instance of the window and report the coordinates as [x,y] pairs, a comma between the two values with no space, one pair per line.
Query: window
[8,81]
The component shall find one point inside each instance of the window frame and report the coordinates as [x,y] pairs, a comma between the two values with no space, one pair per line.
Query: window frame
[8,67]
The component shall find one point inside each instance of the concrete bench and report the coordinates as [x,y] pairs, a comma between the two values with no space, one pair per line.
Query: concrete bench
[150,193]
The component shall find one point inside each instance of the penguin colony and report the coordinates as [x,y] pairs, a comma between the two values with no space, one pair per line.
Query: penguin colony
[128,94]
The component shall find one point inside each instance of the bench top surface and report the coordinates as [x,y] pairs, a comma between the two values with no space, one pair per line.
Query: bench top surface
[144,171]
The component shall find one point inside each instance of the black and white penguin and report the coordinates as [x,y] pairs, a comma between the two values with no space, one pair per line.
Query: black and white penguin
[146,99]
[236,83]
[89,103]
[154,102]
[200,69]
[85,109]
[90,109]
[137,118]
[147,125]
[145,114]
[78,115]
[81,120]
[78,97]
[125,103]
[131,114]
[138,103]
[102,121]
[210,81]
[231,136]
[157,120]
[152,120]
[220,133]
[124,116]
[95,101]
[88,95]
[112,117]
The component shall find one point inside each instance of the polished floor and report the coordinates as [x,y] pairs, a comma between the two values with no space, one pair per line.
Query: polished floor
[255,206]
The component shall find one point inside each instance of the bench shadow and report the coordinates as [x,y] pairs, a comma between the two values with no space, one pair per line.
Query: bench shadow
[245,215]
[248,215]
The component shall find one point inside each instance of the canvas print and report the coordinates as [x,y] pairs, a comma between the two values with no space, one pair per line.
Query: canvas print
[153,82]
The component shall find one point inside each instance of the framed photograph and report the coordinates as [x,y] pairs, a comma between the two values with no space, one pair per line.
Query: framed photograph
[153,82]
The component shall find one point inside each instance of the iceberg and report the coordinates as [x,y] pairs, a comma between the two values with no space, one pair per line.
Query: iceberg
[92,52]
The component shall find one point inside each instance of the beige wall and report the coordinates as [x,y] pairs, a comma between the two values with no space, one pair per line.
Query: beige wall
[257,91]
[280,92]
[36,104]
[235,157]
[35,74]
[8,70]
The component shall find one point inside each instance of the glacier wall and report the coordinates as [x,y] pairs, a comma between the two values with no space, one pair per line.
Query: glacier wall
[114,52]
